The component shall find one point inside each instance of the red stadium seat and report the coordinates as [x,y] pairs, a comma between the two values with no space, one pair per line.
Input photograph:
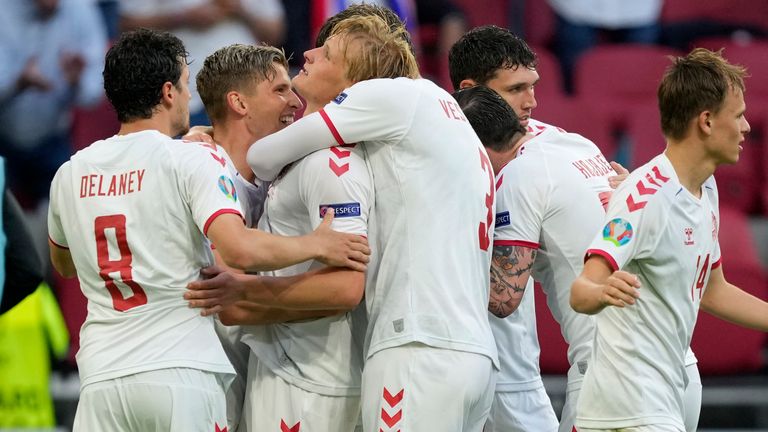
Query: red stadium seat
[551,76]
[728,11]
[554,350]
[579,116]
[93,124]
[621,76]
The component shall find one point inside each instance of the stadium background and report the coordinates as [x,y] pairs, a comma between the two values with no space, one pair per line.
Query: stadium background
[612,102]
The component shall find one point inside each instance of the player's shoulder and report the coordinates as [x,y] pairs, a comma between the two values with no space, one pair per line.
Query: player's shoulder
[342,162]
[649,188]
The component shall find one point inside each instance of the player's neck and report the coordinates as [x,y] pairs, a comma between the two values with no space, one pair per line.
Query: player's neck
[692,167]
[236,141]
[141,125]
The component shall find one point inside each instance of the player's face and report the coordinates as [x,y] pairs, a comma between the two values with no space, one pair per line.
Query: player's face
[181,110]
[516,86]
[729,125]
[273,105]
[323,74]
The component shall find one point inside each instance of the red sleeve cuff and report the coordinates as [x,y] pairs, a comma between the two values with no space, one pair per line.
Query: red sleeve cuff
[331,127]
[523,243]
[62,246]
[604,254]
[217,214]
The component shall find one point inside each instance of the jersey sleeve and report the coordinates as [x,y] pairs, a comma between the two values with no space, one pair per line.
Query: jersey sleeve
[206,185]
[55,227]
[629,233]
[338,178]
[521,201]
[373,110]
[369,110]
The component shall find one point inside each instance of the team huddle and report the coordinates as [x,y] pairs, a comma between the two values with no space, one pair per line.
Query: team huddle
[370,266]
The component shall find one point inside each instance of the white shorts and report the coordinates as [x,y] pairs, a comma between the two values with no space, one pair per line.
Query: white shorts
[176,399]
[416,387]
[692,398]
[522,411]
[237,353]
[272,404]
[652,428]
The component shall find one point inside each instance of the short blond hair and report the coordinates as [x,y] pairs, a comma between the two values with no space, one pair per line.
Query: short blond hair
[382,52]
[235,67]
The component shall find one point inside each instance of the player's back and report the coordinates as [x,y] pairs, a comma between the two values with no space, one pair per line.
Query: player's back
[133,224]
[434,208]
[566,177]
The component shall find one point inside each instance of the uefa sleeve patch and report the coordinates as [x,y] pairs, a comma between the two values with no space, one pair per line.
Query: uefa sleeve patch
[340,98]
[618,232]
[227,187]
[502,219]
[341,210]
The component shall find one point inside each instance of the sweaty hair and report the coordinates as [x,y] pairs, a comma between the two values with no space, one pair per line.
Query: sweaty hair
[359,10]
[136,68]
[235,67]
[372,49]
[484,50]
[493,120]
[697,82]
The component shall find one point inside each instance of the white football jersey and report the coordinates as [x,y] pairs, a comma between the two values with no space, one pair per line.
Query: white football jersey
[551,198]
[322,355]
[133,210]
[658,230]
[435,199]
[251,195]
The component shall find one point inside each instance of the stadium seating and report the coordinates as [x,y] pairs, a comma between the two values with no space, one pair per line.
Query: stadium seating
[554,350]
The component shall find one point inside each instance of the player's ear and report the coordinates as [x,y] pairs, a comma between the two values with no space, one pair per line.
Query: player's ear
[236,103]
[167,93]
[467,83]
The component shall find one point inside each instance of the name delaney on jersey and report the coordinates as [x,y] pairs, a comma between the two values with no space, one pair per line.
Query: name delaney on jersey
[95,185]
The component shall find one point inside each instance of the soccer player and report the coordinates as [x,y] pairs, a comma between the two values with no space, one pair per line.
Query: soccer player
[300,373]
[520,402]
[430,354]
[128,216]
[552,202]
[657,257]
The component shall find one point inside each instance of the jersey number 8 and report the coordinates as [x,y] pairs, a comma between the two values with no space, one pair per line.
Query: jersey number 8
[122,265]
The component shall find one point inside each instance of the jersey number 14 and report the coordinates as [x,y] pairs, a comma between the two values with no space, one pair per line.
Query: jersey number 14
[122,265]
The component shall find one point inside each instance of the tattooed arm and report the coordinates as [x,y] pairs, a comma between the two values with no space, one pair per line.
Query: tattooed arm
[510,270]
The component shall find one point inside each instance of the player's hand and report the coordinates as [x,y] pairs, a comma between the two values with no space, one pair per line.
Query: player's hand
[621,175]
[339,249]
[620,289]
[200,134]
[215,291]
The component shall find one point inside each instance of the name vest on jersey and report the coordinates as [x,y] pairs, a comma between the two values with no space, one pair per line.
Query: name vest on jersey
[113,185]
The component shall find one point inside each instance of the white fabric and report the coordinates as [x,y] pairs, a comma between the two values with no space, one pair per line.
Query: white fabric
[692,398]
[518,346]
[429,280]
[658,230]
[521,411]
[175,399]
[200,43]
[551,195]
[271,402]
[611,14]
[323,355]
[150,199]
[415,387]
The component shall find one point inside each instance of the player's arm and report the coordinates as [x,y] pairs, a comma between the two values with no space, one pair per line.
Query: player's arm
[599,286]
[61,259]
[322,289]
[251,249]
[249,313]
[510,269]
[730,303]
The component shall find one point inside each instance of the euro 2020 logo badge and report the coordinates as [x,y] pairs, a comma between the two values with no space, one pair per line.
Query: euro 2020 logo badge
[228,188]
[618,231]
